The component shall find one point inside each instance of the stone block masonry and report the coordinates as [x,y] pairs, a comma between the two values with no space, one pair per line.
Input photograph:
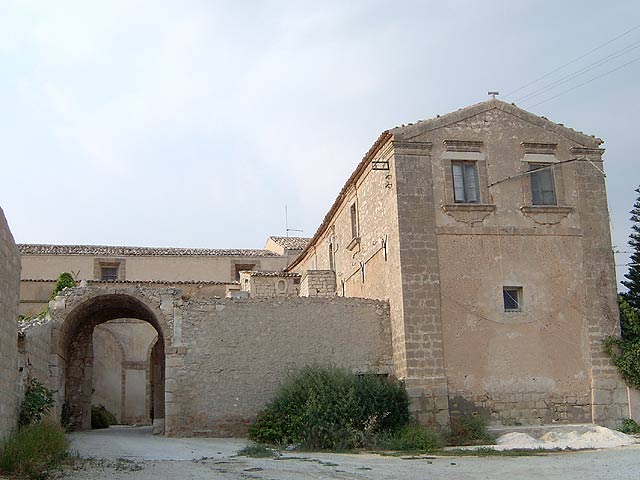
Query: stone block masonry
[237,351]
[9,300]
[318,283]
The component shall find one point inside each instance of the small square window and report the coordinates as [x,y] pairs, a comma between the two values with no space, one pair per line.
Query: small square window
[465,182]
[512,298]
[108,273]
[543,191]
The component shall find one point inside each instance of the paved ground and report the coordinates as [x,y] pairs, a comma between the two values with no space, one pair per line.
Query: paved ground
[132,453]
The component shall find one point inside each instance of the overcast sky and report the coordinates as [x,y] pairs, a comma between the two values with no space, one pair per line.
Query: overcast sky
[194,123]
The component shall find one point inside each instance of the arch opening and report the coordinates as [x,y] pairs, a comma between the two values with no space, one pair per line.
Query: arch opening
[77,360]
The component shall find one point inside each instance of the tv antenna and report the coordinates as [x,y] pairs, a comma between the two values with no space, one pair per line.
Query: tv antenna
[286,224]
[493,94]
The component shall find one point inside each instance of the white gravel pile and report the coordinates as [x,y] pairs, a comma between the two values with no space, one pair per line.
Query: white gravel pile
[581,438]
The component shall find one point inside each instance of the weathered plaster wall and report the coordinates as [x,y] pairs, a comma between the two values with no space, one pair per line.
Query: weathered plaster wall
[9,297]
[108,356]
[35,294]
[142,268]
[237,351]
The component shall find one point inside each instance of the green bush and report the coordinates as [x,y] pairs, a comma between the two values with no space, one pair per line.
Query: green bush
[101,417]
[331,408]
[65,280]
[630,427]
[33,450]
[38,402]
[469,430]
[258,450]
[413,438]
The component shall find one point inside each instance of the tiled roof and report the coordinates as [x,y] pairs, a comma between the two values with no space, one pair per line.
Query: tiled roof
[142,282]
[256,273]
[111,251]
[291,243]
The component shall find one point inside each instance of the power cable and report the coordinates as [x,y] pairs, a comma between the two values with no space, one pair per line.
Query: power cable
[572,61]
[585,83]
[582,71]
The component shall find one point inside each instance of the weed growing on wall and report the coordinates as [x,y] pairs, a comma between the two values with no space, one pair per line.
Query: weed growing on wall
[37,403]
[331,408]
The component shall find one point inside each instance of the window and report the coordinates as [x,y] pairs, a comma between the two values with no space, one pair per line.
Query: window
[354,221]
[332,260]
[512,298]
[543,190]
[108,273]
[465,182]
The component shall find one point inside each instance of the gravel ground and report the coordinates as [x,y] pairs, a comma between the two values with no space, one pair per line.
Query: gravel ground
[133,454]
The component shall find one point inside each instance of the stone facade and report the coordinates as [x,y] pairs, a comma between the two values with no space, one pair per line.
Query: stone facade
[220,360]
[398,232]
[318,283]
[9,298]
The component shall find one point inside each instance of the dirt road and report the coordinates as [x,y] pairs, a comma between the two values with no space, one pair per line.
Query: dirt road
[134,454]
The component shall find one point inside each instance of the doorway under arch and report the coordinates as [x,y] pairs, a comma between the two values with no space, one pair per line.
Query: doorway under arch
[75,347]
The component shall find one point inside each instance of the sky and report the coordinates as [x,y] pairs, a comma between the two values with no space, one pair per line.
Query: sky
[194,123]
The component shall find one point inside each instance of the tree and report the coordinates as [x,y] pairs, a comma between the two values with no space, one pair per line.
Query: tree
[633,275]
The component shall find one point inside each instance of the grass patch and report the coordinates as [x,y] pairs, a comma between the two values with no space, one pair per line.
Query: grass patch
[490,452]
[34,450]
[469,430]
[412,438]
[258,450]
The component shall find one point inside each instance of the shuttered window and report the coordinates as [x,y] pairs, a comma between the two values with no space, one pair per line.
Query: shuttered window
[543,191]
[465,182]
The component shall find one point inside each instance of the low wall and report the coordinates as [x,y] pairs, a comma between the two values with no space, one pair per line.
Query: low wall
[236,351]
[9,298]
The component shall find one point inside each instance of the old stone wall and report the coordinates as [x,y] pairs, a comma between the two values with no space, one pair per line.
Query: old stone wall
[318,283]
[9,298]
[236,351]
[270,284]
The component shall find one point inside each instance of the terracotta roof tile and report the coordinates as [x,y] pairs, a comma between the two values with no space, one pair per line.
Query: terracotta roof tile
[113,251]
[291,243]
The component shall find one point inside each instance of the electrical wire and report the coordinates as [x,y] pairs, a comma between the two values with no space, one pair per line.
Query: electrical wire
[585,83]
[572,61]
[582,71]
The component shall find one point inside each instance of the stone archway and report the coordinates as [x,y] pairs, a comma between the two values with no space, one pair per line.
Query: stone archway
[75,315]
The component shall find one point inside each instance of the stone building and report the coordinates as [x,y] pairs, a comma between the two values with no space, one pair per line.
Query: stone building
[487,230]
[468,254]
[122,347]
[9,297]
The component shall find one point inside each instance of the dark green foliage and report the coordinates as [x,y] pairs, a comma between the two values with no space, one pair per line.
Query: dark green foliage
[33,450]
[625,351]
[65,280]
[330,408]
[412,438]
[632,282]
[101,417]
[630,427]
[38,402]
[258,450]
[469,430]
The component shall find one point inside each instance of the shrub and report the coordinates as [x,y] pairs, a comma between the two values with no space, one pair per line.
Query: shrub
[33,450]
[414,438]
[630,427]
[65,280]
[101,417]
[38,402]
[331,408]
[469,430]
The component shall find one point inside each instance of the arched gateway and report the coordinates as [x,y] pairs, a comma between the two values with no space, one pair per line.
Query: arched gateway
[76,313]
